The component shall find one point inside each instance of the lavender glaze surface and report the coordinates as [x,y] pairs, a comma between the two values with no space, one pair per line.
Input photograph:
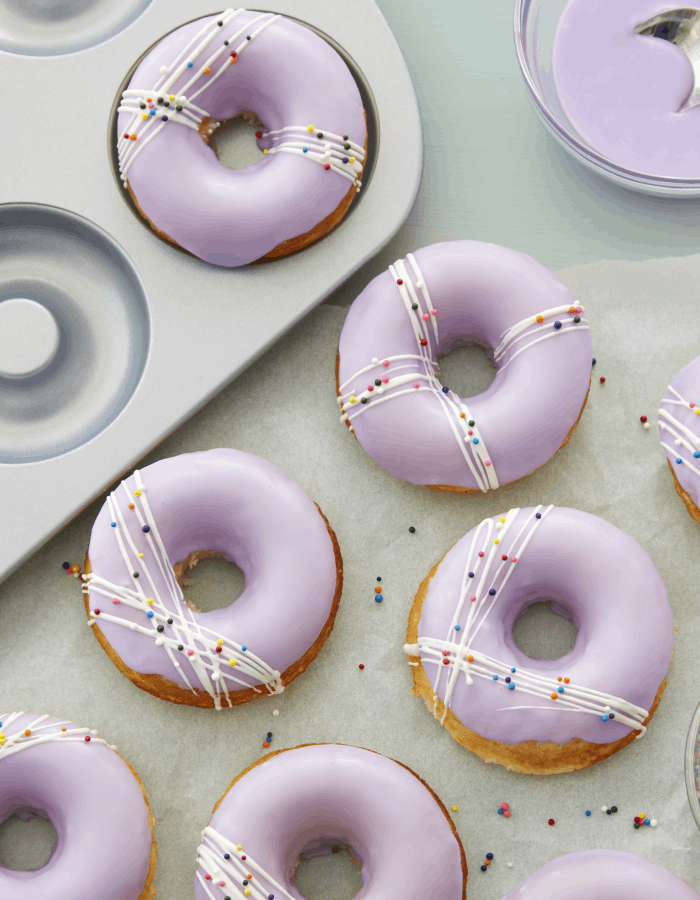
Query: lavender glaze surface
[598,874]
[678,422]
[310,797]
[622,90]
[287,75]
[255,515]
[96,806]
[597,576]
[480,291]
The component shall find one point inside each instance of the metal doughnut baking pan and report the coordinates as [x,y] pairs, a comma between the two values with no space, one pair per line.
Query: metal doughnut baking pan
[110,337]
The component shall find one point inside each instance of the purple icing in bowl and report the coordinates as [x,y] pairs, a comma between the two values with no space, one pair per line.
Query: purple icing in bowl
[622,91]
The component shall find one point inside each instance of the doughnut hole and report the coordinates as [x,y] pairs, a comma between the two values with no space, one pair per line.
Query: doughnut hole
[544,630]
[209,581]
[466,370]
[234,141]
[27,840]
[327,870]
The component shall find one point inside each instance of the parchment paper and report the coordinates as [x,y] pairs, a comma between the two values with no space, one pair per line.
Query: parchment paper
[644,323]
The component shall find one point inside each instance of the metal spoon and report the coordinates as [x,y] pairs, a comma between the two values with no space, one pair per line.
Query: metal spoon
[682,28]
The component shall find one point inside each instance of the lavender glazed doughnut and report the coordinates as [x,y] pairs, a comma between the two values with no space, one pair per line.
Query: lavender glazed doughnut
[450,295]
[602,875]
[679,430]
[228,66]
[296,803]
[96,803]
[161,521]
[542,716]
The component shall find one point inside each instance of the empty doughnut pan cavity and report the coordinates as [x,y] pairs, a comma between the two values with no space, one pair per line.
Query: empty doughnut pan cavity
[74,331]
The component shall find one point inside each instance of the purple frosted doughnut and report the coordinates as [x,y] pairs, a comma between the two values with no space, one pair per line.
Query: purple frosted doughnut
[304,801]
[211,70]
[598,874]
[71,776]
[445,296]
[250,512]
[679,429]
[491,696]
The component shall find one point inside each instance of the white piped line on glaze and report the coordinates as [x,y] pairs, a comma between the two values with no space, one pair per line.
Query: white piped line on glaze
[228,874]
[297,139]
[519,331]
[207,651]
[682,435]
[463,658]
[20,740]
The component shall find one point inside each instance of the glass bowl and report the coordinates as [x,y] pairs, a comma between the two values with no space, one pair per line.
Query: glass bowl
[535,24]
[692,766]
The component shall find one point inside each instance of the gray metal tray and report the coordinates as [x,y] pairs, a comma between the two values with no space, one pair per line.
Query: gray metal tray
[145,334]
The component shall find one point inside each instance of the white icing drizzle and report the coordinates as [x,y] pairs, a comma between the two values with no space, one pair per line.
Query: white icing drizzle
[144,115]
[213,657]
[681,434]
[331,151]
[491,572]
[228,874]
[39,734]
[421,374]
[148,117]
[520,331]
